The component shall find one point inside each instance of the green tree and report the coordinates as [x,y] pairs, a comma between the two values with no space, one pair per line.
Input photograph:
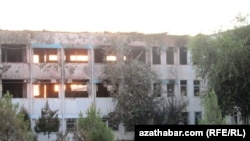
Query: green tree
[13,124]
[223,60]
[92,128]
[61,136]
[48,121]
[170,111]
[212,111]
[137,100]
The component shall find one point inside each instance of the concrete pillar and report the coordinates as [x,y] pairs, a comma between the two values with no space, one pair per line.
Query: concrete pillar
[1,70]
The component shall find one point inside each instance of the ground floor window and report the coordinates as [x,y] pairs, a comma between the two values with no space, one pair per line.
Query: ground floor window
[70,124]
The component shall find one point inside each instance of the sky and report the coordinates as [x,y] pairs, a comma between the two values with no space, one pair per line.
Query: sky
[176,17]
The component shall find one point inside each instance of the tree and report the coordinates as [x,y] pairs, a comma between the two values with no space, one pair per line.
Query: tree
[133,83]
[13,124]
[170,111]
[48,121]
[212,111]
[92,128]
[135,100]
[61,136]
[223,60]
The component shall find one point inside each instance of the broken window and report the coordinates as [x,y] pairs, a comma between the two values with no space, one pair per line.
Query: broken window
[170,56]
[99,55]
[183,87]
[45,89]
[184,118]
[103,89]
[170,88]
[156,55]
[14,53]
[17,88]
[138,53]
[197,117]
[41,55]
[196,87]
[76,55]
[78,88]
[183,55]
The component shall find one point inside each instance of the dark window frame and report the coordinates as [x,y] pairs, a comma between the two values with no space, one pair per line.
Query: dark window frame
[137,52]
[184,118]
[17,88]
[69,93]
[102,90]
[171,88]
[41,52]
[71,124]
[197,117]
[196,84]
[15,53]
[183,87]
[99,55]
[156,55]
[50,89]
[74,51]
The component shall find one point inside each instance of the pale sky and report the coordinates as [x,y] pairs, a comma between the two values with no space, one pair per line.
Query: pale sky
[177,17]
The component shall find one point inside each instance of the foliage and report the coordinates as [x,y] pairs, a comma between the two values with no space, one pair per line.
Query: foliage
[13,124]
[61,136]
[92,128]
[132,92]
[212,111]
[223,60]
[137,102]
[170,111]
[48,121]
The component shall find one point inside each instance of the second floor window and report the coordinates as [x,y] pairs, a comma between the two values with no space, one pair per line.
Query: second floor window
[99,55]
[76,55]
[41,55]
[13,53]
[103,89]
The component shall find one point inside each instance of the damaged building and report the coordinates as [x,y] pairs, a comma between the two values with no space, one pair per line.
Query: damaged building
[64,68]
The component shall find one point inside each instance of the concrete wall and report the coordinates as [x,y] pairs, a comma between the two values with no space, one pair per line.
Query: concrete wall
[62,71]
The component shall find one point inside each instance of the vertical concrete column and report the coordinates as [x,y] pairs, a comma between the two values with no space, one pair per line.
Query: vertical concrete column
[91,63]
[1,70]
[62,91]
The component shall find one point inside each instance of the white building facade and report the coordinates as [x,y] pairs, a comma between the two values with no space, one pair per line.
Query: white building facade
[64,69]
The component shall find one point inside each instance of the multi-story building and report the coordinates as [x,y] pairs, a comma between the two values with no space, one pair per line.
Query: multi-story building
[64,69]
